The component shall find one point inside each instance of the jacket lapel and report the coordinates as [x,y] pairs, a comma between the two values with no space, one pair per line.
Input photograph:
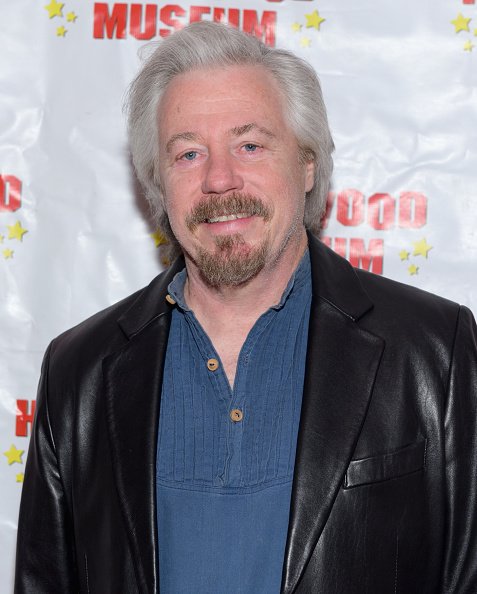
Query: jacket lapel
[133,380]
[342,362]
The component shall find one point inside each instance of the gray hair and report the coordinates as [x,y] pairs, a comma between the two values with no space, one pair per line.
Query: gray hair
[205,45]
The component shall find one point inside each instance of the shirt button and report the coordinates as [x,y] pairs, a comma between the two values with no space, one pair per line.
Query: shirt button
[236,415]
[170,300]
[212,364]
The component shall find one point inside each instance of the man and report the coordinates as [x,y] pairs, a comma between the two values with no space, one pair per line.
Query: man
[262,418]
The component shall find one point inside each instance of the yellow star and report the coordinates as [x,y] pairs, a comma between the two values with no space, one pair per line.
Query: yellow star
[20,477]
[54,8]
[468,45]
[413,269]
[159,238]
[461,23]
[7,253]
[71,17]
[16,231]
[404,255]
[296,27]
[61,31]
[421,248]
[305,42]
[475,32]
[314,20]
[1,238]
[14,455]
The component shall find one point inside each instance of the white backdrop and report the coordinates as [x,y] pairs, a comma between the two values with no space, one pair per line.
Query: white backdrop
[399,80]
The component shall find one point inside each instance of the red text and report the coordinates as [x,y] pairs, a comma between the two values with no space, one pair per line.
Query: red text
[25,416]
[354,249]
[143,21]
[380,211]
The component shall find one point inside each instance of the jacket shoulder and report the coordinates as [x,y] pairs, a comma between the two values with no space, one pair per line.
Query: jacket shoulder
[99,331]
[371,298]
[380,288]
[408,315]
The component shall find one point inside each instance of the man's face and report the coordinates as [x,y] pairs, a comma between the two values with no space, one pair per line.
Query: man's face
[230,171]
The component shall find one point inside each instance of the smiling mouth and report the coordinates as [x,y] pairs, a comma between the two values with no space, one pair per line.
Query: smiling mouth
[223,209]
[225,218]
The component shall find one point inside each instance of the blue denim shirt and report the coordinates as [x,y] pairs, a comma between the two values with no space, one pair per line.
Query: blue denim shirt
[224,478]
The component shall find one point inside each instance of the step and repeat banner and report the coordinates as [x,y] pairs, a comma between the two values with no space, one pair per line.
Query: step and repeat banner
[400,83]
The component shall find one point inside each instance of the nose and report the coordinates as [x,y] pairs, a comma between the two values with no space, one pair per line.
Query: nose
[221,174]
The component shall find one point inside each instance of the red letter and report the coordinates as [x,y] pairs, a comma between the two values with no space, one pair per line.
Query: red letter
[381,208]
[326,240]
[10,193]
[412,210]
[135,25]
[370,259]
[468,2]
[113,23]
[265,31]
[166,17]
[24,417]
[196,13]
[219,15]
[350,208]
[234,16]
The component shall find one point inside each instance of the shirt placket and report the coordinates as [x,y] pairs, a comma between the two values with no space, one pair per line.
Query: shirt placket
[241,407]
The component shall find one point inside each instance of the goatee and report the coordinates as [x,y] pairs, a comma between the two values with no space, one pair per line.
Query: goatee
[233,262]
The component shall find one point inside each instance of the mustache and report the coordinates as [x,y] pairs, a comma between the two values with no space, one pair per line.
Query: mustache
[231,204]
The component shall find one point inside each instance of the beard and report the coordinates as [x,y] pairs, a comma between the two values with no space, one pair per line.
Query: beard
[233,262]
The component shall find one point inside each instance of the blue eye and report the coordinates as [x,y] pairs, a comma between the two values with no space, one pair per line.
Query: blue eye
[250,148]
[189,156]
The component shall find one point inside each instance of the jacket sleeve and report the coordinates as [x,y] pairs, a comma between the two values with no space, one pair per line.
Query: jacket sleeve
[460,564]
[45,561]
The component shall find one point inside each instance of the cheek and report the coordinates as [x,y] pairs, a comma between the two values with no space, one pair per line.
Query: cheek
[182,191]
[174,212]
[178,193]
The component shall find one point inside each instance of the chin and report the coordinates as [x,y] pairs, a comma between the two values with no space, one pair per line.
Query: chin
[233,262]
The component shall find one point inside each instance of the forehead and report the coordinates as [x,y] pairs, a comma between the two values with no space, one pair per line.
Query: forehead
[224,93]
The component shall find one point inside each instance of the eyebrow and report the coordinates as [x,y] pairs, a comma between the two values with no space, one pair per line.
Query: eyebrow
[235,131]
[180,136]
[246,128]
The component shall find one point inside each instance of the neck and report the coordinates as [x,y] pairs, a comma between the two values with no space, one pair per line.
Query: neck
[218,306]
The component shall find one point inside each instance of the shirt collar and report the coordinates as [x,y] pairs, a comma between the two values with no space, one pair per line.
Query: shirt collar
[299,277]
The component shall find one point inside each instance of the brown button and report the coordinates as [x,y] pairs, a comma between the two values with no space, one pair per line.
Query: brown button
[212,364]
[236,415]
[170,300]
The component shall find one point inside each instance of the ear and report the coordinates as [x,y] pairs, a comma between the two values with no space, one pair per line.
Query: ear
[309,175]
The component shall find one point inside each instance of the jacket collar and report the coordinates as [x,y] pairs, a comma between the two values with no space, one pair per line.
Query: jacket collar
[342,361]
[334,280]
[151,302]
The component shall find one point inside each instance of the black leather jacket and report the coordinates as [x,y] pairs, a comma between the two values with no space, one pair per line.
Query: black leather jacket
[385,487]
